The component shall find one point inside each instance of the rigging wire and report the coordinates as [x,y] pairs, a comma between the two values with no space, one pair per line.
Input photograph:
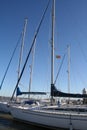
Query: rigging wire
[81,31]
[33,42]
[82,51]
[80,75]
[76,73]
[10,62]
[60,68]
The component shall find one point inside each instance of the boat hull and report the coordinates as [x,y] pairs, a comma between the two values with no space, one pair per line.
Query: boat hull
[4,107]
[51,119]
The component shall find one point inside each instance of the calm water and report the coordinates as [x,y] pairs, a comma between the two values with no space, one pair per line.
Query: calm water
[7,123]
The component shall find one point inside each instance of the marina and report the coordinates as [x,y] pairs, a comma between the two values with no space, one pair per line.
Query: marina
[27,105]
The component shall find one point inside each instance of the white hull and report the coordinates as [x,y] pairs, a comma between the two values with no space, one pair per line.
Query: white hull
[4,107]
[52,119]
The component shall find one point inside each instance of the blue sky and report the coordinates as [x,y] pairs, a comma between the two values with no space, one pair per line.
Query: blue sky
[70,28]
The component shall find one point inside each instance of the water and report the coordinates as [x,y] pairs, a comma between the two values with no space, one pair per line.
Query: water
[7,123]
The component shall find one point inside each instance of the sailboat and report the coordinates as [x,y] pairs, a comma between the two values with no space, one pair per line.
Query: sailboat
[50,116]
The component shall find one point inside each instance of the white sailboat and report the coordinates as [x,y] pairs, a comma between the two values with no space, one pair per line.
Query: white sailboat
[53,116]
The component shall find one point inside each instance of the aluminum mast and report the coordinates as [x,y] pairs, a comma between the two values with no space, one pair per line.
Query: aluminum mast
[52,48]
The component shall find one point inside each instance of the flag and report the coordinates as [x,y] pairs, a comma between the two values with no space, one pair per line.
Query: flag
[58,56]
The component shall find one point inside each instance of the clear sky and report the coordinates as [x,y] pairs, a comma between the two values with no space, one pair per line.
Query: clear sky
[70,28]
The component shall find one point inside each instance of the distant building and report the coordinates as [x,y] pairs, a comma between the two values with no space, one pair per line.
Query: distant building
[84,91]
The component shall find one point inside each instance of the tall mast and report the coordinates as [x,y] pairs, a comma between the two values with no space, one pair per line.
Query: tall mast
[52,47]
[68,48]
[22,45]
[31,69]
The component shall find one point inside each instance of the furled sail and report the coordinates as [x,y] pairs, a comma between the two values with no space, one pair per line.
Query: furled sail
[57,93]
[20,93]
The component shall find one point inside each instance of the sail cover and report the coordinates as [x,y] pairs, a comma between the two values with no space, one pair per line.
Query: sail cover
[57,93]
[18,92]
